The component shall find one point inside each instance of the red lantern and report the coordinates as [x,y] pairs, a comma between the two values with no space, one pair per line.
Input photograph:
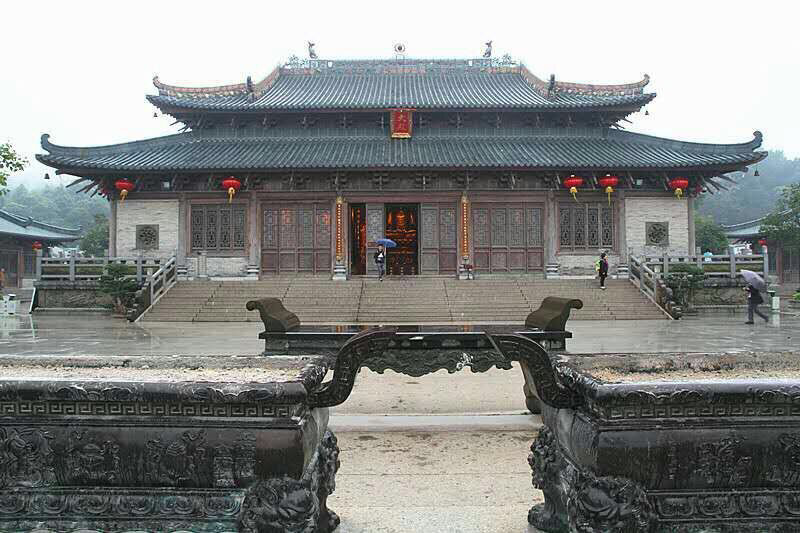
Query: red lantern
[36,245]
[762,242]
[573,182]
[609,182]
[233,185]
[678,185]
[124,186]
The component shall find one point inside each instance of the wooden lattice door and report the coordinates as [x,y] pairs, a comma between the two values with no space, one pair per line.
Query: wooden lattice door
[296,239]
[439,245]
[508,237]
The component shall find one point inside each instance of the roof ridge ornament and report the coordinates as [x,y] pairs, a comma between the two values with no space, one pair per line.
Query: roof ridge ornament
[487,52]
[311,53]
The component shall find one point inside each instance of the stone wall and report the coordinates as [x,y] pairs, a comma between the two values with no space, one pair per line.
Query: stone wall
[583,265]
[70,295]
[641,211]
[223,267]
[722,292]
[161,213]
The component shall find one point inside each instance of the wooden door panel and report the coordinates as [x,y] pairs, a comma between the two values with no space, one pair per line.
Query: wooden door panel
[296,238]
[507,237]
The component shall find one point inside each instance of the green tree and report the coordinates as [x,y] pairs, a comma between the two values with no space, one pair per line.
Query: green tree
[55,204]
[709,235]
[783,224]
[116,282]
[95,241]
[10,161]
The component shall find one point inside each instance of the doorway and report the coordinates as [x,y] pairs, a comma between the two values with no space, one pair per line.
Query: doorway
[401,226]
[358,239]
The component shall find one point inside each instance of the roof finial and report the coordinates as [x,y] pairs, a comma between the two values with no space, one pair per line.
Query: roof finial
[311,53]
[487,53]
[552,85]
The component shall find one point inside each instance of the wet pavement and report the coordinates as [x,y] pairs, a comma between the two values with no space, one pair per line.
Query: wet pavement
[104,335]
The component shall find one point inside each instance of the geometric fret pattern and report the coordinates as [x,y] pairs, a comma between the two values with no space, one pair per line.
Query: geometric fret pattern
[89,408]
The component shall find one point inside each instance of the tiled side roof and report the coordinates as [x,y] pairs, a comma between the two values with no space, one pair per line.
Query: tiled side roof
[26,227]
[593,148]
[419,84]
[751,228]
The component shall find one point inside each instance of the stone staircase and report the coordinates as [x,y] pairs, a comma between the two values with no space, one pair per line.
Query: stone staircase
[398,301]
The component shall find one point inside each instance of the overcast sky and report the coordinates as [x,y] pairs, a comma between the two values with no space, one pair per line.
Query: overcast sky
[79,70]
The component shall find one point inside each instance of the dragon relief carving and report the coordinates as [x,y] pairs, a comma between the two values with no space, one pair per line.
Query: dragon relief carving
[287,505]
[26,458]
[180,463]
[602,504]
[235,466]
[89,462]
[721,464]
[546,466]
[452,360]
[786,471]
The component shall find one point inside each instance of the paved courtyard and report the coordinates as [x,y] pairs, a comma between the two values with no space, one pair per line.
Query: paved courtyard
[413,450]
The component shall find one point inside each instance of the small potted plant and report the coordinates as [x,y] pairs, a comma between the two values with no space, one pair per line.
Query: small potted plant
[794,301]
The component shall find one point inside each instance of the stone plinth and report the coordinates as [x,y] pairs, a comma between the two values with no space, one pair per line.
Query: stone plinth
[669,443]
[164,444]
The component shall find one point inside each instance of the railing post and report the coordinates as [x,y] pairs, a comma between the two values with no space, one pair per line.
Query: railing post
[665,270]
[39,265]
[151,282]
[72,268]
[732,256]
[138,270]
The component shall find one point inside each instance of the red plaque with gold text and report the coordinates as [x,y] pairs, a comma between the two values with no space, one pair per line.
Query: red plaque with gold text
[400,123]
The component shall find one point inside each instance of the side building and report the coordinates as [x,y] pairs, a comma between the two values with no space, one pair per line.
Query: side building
[20,237]
[461,162]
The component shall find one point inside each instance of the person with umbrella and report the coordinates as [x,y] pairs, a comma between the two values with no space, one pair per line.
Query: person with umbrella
[755,284]
[380,255]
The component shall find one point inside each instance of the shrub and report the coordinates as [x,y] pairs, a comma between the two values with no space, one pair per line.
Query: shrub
[121,288]
[683,278]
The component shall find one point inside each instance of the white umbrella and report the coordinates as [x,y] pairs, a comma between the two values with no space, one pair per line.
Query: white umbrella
[754,279]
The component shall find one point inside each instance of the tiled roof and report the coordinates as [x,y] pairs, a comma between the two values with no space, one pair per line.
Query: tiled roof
[28,228]
[750,228]
[561,148]
[418,84]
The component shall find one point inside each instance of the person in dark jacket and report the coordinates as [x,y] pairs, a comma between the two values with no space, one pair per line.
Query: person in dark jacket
[754,299]
[380,261]
[602,270]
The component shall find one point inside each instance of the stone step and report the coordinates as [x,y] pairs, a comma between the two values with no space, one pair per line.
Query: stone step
[400,299]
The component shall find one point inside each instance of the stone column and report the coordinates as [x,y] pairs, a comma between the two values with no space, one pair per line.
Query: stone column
[551,235]
[340,266]
[180,253]
[254,259]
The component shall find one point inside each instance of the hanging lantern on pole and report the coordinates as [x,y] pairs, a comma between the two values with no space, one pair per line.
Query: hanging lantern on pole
[609,182]
[678,185]
[233,185]
[124,186]
[573,182]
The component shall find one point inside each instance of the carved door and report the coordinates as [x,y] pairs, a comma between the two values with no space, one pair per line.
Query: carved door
[508,237]
[439,243]
[296,239]
[375,231]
